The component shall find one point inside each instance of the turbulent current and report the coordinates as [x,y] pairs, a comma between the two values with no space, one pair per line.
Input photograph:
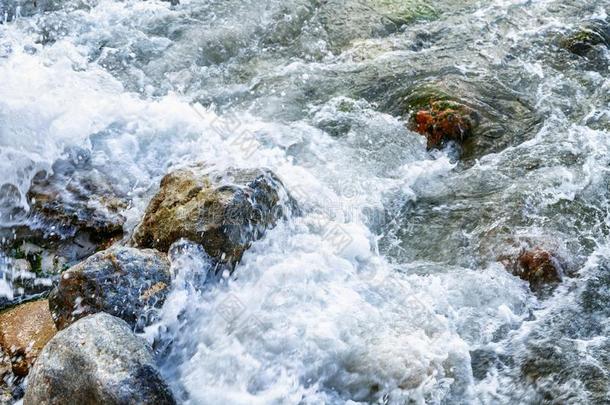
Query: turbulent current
[390,285]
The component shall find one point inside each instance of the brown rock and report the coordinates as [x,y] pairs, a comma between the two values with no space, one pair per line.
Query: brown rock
[24,330]
[444,121]
[536,266]
[224,212]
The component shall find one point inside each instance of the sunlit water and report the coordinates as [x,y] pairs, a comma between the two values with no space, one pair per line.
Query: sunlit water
[388,288]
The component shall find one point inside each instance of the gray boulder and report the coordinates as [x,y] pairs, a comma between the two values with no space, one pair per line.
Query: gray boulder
[122,281]
[97,360]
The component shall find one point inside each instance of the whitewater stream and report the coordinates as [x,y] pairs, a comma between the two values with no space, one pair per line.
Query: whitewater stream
[389,286]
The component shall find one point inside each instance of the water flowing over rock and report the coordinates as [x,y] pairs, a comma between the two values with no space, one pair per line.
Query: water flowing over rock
[424,140]
[584,41]
[444,121]
[125,282]
[78,197]
[24,331]
[225,212]
[74,211]
[97,360]
[11,10]
[478,119]
[538,267]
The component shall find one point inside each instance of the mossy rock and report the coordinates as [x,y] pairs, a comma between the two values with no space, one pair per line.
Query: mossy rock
[584,40]
[441,119]
[486,118]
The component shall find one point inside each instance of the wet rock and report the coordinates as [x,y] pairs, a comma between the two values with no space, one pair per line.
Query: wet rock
[536,266]
[347,20]
[6,378]
[122,281]
[478,119]
[584,41]
[75,210]
[77,196]
[97,360]
[224,212]
[444,121]
[24,331]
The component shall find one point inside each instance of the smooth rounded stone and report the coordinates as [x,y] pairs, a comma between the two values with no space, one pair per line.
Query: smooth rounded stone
[97,360]
[224,212]
[126,282]
[24,331]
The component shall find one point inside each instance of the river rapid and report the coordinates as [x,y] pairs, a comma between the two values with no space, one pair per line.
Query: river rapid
[389,286]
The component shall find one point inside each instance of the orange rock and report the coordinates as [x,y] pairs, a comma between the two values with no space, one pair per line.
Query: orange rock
[24,330]
[444,121]
[538,267]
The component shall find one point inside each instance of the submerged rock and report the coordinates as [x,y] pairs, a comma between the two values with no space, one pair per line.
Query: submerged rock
[347,20]
[224,212]
[122,281]
[15,9]
[97,360]
[479,118]
[536,266]
[24,331]
[444,121]
[584,41]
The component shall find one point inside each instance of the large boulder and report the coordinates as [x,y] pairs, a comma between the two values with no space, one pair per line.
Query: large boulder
[224,212]
[122,281]
[97,360]
[24,331]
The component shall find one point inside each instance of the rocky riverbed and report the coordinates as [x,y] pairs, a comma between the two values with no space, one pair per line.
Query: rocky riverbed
[304,202]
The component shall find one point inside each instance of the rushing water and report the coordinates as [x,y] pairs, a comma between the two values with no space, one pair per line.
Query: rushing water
[389,287]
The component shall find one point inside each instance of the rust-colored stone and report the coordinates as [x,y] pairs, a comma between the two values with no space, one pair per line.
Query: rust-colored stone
[24,330]
[444,121]
[538,267]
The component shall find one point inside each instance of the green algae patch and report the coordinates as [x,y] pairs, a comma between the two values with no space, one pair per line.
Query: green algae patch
[404,11]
